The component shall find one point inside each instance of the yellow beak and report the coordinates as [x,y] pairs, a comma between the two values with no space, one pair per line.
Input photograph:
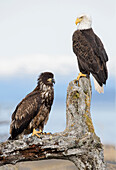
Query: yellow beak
[51,80]
[78,20]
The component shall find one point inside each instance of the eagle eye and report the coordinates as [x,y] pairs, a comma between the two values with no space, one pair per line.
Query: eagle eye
[81,17]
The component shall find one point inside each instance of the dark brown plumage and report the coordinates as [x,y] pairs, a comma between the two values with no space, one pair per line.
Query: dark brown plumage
[33,111]
[90,52]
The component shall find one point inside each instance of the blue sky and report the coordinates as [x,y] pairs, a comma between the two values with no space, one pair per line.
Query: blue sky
[36,36]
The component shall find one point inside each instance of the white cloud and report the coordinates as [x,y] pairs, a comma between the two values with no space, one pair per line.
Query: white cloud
[62,65]
[37,63]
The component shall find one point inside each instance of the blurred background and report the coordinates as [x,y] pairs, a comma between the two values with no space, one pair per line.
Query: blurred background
[36,36]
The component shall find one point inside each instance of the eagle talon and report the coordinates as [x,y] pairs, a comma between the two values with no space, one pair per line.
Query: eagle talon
[49,133]
[36,133]
[80,75]
[43,133]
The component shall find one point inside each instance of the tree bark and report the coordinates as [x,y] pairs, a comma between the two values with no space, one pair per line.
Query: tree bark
[77,143]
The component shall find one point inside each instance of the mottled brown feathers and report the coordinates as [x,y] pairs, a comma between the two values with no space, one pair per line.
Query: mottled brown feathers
[33,110]
[91,54]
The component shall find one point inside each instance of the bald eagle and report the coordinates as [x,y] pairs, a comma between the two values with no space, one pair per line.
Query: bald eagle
[90,52]
[33,111]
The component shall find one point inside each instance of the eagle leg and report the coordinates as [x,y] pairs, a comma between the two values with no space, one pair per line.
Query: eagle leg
[46,133]
[36,133]
[80,75]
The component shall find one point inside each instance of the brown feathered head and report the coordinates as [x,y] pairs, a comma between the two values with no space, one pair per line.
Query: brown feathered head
[47,78]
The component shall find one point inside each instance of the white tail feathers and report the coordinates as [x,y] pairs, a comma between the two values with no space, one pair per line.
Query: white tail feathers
[98,88]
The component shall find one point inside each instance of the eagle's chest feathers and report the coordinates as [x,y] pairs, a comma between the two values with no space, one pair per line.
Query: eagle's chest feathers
[46,94]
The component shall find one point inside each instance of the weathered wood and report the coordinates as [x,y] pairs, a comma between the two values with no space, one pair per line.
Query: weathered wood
[78,143]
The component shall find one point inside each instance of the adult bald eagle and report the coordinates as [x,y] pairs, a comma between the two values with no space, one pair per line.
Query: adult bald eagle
[90,52]
[33,111]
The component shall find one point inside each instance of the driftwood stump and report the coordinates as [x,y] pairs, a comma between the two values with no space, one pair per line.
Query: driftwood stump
[78,143]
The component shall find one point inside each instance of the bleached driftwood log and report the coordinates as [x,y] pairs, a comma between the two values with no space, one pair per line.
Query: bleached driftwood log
[78,143]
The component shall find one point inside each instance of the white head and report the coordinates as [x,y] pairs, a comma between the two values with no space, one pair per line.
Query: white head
[84,21]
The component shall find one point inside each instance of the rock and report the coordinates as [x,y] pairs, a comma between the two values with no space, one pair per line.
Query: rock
[111,166]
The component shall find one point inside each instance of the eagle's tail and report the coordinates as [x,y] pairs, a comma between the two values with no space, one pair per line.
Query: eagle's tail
[98,88]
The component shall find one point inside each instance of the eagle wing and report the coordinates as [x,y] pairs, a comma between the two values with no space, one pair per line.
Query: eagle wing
[100,50]
[91,54]
[25,111]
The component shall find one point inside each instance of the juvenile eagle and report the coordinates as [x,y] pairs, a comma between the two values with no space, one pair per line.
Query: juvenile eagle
[90,52]
[33,111]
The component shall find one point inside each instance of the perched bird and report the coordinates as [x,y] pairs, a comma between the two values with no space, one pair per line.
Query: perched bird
[90,52]
[33,111]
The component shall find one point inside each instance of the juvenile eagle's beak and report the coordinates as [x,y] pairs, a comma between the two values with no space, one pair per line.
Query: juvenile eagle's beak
[78,20]
[51,80]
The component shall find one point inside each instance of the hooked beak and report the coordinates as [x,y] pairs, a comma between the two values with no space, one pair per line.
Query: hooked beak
[51,80]
[78,20]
